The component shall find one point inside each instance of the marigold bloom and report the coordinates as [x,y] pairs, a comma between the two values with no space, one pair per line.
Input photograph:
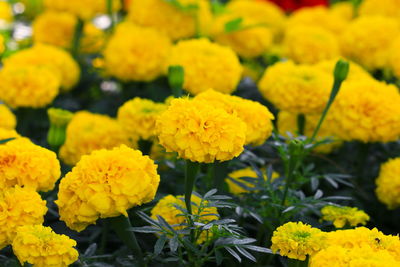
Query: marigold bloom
[173,216]
[297,240]
[357,44]
[310,44]
[87,132]
[40,246]
[106,184]
[58,29]
[7,133]
[341,216]
[296,88]
[394,57]
[26,164]
[344,10]
[256,116]
[169,19]
[52,57]
[207,65]
[320,16]
[138,117]
[135,53]
[7,118]
[200,132]
[287,123]
[388,183]
[6,13]
[84,9]
[386,8]
[336,256]
[235,188]
[19,207]
[367,111]
[28,86]
[262,22]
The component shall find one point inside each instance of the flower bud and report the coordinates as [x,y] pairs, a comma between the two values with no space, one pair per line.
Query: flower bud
[59,120]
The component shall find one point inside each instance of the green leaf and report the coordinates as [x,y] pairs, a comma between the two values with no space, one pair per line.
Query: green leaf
[176,77]
[6,140]
[173,243]
[218,257]
[158,247]
[233,25]
[233,253]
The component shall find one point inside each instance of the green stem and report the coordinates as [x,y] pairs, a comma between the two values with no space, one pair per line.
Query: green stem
[104,235]
[220,173]
[77,38]
[191,170]
[297,263]
[110,14]
[362,160]
[301,123]
[120,225]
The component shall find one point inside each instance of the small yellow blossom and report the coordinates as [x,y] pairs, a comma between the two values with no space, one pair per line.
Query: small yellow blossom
[341,216]
[388,183]
[40,246]
[7,118]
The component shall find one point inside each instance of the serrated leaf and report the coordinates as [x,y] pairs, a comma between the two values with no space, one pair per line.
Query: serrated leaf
[314,183]
[165,224]
[318,194]
[246,254]
[147,218]
[90,250]
[233,253]
[158,247]
[210,193]
[218,257]
[258,249]
[144,229]
[173,243]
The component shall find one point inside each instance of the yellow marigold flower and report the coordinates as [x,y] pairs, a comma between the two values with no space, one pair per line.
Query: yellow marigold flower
[88,132]
[26,164]
[169,19]
[40,246]
[318,15]
[173,216]
[388,183]
[58,29]
[207,65]
[28,86]
[361,236]
[235,188]
[106,184]
[7,118]
[85,9]
[394,57]
[310,44]
[357,44]
[138,117]
[367,111]
[6,13]
[356,72]
[51,57]
[7,133]
[386,8]
[262,22]
[297,240]
[136,54]
[341,216]
[18,207]
[287,123]
[200,132]
[296,88]
[256,116]
[344,10]
[336,256]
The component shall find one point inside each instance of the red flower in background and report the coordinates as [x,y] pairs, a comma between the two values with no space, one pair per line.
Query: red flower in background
[290,5]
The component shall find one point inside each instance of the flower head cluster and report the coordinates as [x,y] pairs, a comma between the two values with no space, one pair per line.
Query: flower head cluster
[28,86]
[319,15]
[235,180]
[310,44]
[165,208]
[357,44]
[388,183]
[296,88]
[261,23]
[7,118]
[6,13]
[52,57]
[386,8]
[341,216]
[257,117]
[58,29]
[84,9]
[200,132]
[7,133]
[138,117]
[367,111]
[87,132]
[136,53]
[207,65]
[40,246]
[106,184]
[26,164]
[18,207]
[297,240]
[184,20]
[394,57]
[287,123]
